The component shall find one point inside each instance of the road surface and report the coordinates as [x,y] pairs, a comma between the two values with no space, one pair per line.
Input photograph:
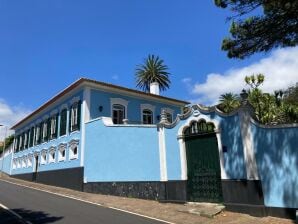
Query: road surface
[40,207]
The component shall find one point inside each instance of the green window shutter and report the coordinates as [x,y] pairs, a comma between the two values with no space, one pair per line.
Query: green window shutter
[63,119]
[79,115]
[28,138]
[40,133]
[17,143]
[69,120]
[48,136]
[56,129]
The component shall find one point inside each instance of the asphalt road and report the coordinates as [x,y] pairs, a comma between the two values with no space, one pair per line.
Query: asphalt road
[40,208]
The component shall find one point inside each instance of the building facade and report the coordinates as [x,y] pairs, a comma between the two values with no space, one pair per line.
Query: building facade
[101,138]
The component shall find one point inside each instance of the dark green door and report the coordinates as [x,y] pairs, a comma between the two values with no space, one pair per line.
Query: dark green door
[203,168]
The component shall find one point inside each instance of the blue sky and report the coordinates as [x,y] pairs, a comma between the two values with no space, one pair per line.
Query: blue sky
[46,45]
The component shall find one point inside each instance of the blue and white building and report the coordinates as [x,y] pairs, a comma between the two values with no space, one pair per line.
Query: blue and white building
[101,138]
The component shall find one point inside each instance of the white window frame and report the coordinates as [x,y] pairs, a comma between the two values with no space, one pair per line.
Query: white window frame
[21,141]
[72,145]
[29,160]
[52,159]
[53,126]
[44,130]
[62,147]
[24,162]
[43,157]
[25,138]
[37,134]
[121,102]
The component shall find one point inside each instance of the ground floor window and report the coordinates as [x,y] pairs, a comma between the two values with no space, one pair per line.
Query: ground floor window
[43,159]
[62,152]
[52,155]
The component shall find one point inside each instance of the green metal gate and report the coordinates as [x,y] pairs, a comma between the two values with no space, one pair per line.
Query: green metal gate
[203,166]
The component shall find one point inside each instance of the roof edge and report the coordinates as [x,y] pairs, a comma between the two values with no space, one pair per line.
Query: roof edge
[86,80]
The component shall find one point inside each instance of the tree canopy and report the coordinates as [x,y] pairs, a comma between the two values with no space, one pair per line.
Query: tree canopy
[252,32]
[153,70]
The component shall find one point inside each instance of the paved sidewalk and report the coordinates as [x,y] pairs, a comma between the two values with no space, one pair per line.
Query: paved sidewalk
[166,211]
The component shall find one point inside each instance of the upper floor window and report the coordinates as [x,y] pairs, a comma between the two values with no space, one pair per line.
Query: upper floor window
[25,139]
[45,130]
[37,134]
[20,142]
[147,117]
[75,115]
[63,121]
[31,139]
[118,113]
[54,126]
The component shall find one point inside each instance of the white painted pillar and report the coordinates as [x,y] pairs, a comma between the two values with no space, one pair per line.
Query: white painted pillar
[162,154]
[183,159]
[223,173]
[248,146]
[86,118]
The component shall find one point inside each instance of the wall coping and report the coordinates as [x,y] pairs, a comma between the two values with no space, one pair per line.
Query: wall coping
[203,109]
[107,121]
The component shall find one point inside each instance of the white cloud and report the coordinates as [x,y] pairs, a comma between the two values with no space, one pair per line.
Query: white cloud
[280,69]
[10,115]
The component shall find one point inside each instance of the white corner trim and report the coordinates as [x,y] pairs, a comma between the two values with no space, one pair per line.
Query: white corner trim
[86,118]
[248,146]
[183,160]
[162,155]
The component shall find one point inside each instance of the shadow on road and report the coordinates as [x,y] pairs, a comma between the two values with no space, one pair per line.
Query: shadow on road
[39,217]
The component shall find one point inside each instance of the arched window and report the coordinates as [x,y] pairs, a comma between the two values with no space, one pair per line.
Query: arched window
[62,152]
[52,155]
[73,149]
[147,117]
[118,113]
[200,127]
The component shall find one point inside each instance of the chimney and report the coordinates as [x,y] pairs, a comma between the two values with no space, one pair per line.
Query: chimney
[154,88]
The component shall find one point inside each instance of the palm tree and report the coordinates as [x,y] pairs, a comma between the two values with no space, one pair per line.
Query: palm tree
[153,70]
[228,102]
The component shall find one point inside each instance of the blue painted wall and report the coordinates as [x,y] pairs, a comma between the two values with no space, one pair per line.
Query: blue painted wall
[100,98]
[121,153]
[52,143]
[277,159]
[5,163]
